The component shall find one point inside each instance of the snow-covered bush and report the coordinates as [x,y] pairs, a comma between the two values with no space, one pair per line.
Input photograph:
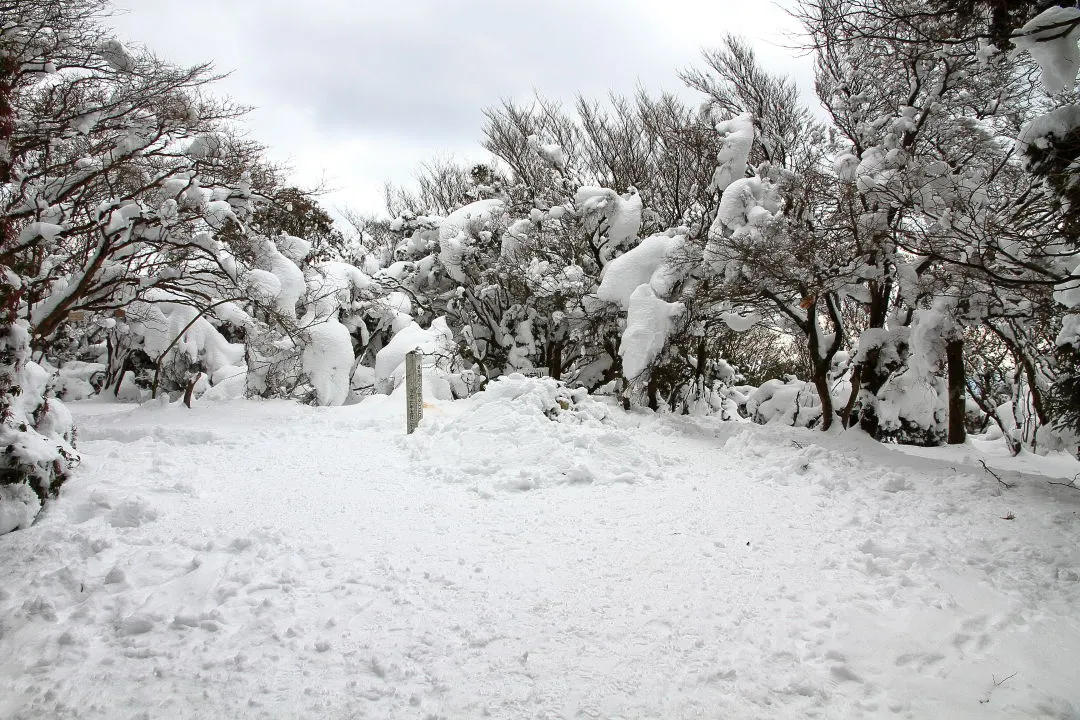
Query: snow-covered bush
[791,402]
[37,436]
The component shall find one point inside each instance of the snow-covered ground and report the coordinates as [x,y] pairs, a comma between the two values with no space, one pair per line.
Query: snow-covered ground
[266,560]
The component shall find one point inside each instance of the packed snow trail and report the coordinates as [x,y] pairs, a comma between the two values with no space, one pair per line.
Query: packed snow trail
[266,560]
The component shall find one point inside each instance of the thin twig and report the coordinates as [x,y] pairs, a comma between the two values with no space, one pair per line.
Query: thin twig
[796,444]
[998,683]
[1071,484]
[996,476]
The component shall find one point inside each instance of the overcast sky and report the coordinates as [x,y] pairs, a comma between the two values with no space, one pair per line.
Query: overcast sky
[353,93]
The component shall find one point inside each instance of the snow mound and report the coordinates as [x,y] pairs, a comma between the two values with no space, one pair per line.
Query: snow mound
[777,402]
[549,397]
[73,379]
[18,507]
[527,434]
[390,361]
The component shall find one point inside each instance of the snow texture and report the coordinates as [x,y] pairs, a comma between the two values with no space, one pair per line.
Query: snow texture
[460,229]
[794,403]
[161,323]
[551,153]
[617,217]
[1052,43]
[1057,123]
[645,264]
[291,285]
[747,202]
[649,321]
[328,360]
[739,322]
[390,361]
[517,558]
[738,139]
[18,507]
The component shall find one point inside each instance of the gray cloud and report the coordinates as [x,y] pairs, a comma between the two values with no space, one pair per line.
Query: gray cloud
[364,91]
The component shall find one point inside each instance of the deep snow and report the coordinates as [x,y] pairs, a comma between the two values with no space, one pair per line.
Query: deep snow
[266,560]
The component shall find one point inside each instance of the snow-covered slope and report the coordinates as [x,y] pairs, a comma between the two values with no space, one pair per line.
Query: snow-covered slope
[532,553]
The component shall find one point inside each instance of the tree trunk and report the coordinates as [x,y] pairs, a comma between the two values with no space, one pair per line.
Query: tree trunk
[654,403]
[954,355]
[856,383]
[191,388]
[10,295]
[554,359]
[120,376]
[821,382]
[872,377]
[117,360]
[821,358]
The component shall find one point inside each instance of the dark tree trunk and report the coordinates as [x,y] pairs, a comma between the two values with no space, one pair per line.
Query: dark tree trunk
[872,379]
[821,382]
[821,358]
[869,377]
[119,353]
[954,355]
[554,359]
[654,403]
[191,388]
[856,383]
[120,376]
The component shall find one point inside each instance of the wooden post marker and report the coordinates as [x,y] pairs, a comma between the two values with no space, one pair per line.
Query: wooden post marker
[414,391]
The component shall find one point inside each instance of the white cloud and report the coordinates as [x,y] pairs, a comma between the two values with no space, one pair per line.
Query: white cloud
[353,94]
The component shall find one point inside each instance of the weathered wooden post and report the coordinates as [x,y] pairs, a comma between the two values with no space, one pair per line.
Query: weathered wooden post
[414,391]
